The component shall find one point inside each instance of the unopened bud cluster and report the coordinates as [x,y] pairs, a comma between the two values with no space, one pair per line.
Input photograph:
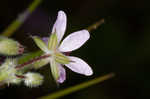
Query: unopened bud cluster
[9,74]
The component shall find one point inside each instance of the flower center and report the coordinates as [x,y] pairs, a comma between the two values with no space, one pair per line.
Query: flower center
[61,58]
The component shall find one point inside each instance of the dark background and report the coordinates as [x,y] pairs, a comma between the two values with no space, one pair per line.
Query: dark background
[121,45]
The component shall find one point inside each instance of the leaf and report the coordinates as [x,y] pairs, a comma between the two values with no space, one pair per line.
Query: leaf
[10,30]
[78,87]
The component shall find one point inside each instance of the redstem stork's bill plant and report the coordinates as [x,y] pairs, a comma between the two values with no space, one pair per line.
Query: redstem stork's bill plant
[54,51]
[16,66]
[55,47]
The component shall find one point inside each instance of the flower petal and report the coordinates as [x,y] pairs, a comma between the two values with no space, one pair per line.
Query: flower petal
[79,66]
[45,40]
[62,74]
[60,25]
[74,41]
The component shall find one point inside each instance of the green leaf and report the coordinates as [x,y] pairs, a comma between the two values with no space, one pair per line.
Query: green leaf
[34,5]
[10,30]
[81,86]
[40,43]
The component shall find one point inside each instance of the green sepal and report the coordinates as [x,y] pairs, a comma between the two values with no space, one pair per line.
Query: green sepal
[40,43]
[40,63]
[62,59]
[52,43]
[54,69]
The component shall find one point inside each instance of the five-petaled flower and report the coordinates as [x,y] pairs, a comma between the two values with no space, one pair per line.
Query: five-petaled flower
[56,49]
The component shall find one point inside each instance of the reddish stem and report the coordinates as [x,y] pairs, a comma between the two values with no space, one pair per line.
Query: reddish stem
[20,76]
[32,61]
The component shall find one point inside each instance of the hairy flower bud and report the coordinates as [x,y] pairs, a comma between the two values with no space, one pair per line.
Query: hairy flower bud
[15,80]
[33,79]
[10,47]
[8,71]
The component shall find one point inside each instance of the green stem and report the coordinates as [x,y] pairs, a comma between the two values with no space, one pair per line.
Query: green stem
[32,61]
[78,87]
[21,18]
[95,25]
[34,5]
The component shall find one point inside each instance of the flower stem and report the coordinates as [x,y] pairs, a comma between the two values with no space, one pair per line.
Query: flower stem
[32,61]
[20,19]
[78,87]
[20,76]
[95,25]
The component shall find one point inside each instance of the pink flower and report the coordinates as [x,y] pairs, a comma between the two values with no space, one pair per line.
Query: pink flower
[57,48]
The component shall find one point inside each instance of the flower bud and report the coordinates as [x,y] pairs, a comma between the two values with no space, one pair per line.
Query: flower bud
[8,71]
[14,80]
[33,79]
[10,47]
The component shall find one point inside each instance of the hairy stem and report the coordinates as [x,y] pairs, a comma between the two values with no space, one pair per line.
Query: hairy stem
[32,61]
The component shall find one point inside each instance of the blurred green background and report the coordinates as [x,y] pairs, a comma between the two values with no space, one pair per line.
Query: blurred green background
[120,45]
